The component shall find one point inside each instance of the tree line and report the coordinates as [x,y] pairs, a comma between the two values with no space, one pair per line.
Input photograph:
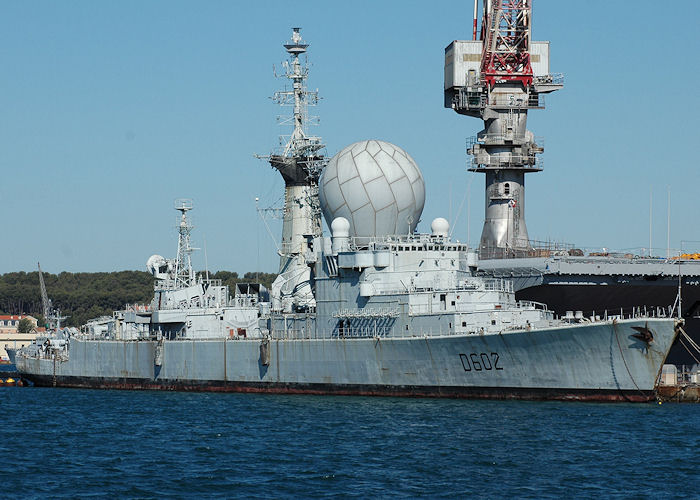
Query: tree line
[83,296]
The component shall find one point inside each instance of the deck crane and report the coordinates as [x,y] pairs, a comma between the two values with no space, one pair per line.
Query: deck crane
[52,317]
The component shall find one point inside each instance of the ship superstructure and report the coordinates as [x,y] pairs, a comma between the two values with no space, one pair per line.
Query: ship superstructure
[499,78]
[300,161]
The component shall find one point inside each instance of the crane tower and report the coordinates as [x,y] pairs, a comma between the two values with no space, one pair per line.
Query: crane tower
[498,78]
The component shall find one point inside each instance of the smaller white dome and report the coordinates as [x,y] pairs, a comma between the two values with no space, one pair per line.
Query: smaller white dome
[440,227]
[156,264]
[340,227]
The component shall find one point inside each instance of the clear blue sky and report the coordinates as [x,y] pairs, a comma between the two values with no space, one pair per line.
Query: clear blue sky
[111,110]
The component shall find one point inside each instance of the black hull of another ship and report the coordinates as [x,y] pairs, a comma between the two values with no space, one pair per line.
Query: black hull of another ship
[597,298]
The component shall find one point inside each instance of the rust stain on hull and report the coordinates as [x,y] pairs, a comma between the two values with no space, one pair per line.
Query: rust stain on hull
[497,393]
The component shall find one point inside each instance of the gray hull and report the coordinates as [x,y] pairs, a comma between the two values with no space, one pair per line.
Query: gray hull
[601,361]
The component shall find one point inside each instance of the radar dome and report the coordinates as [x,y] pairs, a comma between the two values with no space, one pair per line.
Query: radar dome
[376,186]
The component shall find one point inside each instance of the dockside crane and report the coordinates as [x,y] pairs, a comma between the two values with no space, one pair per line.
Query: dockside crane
[498,78]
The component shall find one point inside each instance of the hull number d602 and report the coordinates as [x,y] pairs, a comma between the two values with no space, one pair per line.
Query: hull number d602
[480,361]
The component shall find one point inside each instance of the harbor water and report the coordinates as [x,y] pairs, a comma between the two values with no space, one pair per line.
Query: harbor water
[63,443]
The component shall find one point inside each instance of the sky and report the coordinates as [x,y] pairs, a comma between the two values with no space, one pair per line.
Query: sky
[109,111]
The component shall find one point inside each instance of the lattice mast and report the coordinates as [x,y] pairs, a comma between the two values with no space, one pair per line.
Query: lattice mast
[184,274]
[45,301]
[52,317]
[500,87]
[300,160]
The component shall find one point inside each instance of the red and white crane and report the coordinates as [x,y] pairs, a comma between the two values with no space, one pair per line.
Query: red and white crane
[498,78]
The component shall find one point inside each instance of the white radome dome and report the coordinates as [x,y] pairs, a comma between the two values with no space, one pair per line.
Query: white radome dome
[340,227]
[440,227]
[376,186]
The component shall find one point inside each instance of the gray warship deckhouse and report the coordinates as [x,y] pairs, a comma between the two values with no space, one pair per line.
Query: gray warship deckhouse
[373,308]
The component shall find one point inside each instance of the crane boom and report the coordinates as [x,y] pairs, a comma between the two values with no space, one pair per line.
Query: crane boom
[45,302]
[506,48]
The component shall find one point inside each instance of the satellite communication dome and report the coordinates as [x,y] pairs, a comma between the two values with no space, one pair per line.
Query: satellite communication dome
[340,227]
[376,186]
[440,227]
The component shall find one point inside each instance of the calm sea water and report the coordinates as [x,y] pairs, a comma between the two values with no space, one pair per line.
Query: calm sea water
[61,443]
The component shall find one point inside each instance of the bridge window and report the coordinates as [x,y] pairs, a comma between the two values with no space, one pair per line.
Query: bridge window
[506,188]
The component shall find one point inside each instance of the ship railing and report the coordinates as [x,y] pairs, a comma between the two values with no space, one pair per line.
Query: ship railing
[481,285]
[212,281]
[294,334]
[137,307]
[369,331]
[432,309]
[551,78]
[498,285]
[637,312]
[380,312]
[408,242]
[530,304]
[500,139]
[512,160]
[469,99]
[485,284]
[528,248]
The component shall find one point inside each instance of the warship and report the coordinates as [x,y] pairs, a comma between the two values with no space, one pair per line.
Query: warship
[374,308]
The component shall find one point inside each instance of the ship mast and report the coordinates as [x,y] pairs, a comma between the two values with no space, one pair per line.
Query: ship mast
[184,274]
[300,160]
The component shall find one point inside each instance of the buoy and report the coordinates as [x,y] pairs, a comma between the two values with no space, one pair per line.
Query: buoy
[10,380]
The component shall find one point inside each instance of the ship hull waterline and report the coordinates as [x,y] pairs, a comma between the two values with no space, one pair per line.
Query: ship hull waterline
[602,362]
[495,393]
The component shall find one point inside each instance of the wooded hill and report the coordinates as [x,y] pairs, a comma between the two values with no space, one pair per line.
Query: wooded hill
[83,296]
